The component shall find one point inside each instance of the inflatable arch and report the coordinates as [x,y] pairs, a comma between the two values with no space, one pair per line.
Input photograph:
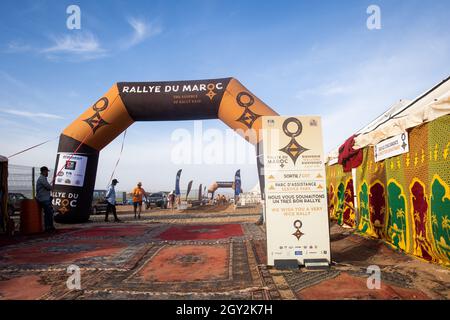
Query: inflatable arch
[126,102]
[220,184]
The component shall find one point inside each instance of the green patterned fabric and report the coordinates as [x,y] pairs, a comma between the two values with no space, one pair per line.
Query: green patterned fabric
[405,200]
[340,195]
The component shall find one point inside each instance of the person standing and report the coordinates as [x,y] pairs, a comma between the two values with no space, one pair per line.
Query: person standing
[44,199]
[111,201]
[172,200]
[138,195]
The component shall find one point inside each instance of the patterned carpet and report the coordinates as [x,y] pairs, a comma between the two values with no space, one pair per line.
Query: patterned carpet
[158,261]
[181,261]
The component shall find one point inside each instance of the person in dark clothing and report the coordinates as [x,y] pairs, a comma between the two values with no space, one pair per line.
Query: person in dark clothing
[44,199]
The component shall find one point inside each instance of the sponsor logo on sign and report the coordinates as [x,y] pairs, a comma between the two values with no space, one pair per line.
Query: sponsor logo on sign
[297,225]
[293,149]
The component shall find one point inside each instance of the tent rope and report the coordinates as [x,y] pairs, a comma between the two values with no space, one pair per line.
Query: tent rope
[30,148]
[118,159]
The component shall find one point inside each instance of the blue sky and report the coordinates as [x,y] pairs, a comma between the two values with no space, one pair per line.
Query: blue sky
[300,57]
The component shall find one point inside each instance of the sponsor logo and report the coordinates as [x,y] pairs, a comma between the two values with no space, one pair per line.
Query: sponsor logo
[211,92]
[96,121]
[297,225]
[248,117]
[293,149]
[209,88]
[64,204]
[298,253]
[65,201]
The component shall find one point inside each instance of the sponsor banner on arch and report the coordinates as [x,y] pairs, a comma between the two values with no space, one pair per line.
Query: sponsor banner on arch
[71,169]
[295,189]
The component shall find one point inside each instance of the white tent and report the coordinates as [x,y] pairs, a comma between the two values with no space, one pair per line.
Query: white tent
[256,189]
[403,115]
[431,105]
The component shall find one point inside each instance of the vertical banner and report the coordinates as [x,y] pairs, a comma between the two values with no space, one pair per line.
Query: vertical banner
[237,183]
[177,183]
[189,188]
[295,189]
[200,192]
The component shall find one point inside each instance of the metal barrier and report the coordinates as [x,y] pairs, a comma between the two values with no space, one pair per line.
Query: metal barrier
[22,179]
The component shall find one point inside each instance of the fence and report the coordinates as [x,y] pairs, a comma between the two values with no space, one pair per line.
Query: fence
[22,179]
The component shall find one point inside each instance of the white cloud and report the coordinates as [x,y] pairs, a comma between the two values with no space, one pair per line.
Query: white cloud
[79,45]
[12,80]
[82,46]
[330,89]
[28,114]
[17,46]
[142,30]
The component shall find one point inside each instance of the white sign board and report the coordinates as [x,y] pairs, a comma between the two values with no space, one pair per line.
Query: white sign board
[71,169]
[295,189]
[391,147]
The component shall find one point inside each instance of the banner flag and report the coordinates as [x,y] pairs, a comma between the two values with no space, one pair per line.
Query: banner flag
[237,183]
[189,188]
[177,183]
[200,192]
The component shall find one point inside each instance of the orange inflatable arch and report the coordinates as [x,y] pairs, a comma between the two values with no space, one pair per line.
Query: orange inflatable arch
[126,102]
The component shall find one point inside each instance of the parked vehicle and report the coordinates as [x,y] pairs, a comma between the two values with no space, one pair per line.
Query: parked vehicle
[121,198]
[14,201]
[99,203]
[157,199]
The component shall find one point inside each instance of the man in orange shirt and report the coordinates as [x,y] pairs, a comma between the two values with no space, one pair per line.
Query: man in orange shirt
[138,194]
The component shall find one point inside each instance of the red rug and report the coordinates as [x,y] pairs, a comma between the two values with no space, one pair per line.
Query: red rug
[188,263]
[59,252]
[346,286]
[26,287]
[202,232]
[6,240]
[112,231]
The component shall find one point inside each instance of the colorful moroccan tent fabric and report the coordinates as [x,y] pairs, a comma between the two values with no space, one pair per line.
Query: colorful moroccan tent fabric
[340,195]
[405,200]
